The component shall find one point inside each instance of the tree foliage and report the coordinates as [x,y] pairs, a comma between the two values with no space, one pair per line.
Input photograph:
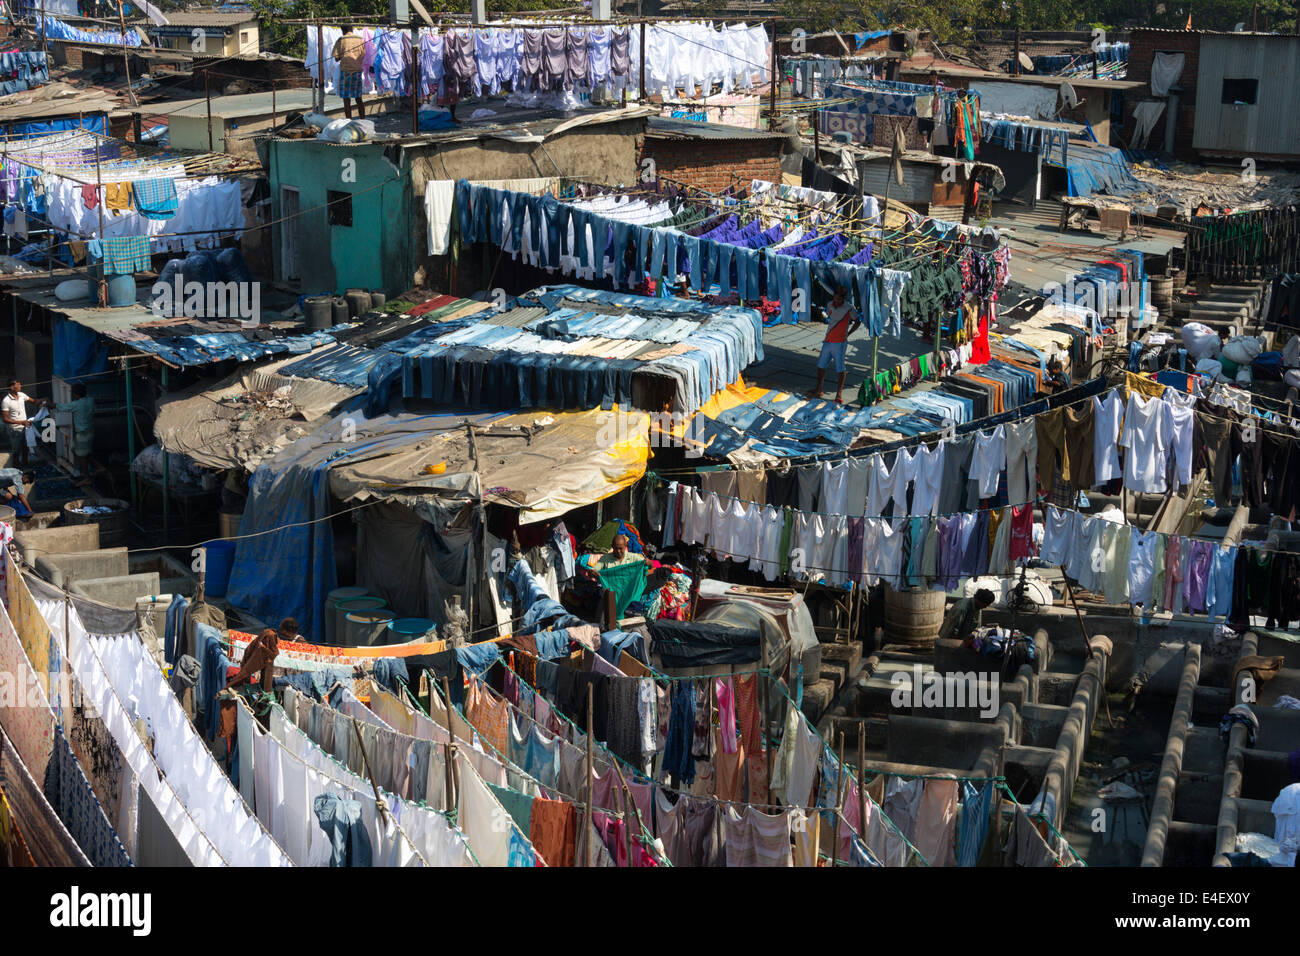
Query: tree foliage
[956,20]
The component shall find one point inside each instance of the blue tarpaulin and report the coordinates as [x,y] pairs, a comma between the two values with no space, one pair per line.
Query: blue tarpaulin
[1093,168]
[284,565]
[79,352]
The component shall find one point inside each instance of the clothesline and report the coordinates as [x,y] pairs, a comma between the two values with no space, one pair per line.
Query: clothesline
[912,442]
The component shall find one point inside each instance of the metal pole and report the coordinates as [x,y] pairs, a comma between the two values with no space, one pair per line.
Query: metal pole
[274,121]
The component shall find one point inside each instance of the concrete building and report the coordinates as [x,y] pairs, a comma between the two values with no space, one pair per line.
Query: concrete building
[353,215]
[207,31]
[1231,98]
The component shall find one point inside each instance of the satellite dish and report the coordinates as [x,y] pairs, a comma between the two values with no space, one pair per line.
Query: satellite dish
[1068,96]
[1026,62]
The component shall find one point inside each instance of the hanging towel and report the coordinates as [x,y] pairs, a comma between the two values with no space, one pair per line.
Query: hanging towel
[156,198]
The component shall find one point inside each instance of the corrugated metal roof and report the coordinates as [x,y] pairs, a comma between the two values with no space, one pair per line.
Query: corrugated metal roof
[665,127]
[1220,33]
[204,18]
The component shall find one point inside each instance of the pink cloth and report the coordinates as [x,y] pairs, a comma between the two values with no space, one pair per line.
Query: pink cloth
[726,694]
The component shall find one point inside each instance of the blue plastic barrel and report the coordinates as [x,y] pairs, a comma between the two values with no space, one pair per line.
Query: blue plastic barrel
[406,629]
[219,561]
[121,292]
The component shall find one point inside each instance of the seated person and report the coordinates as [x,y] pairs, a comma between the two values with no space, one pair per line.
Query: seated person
[1056,379]
[13,494]
[965,616]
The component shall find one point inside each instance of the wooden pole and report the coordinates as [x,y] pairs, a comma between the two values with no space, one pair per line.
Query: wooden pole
[841,784]
[207,95]
[641,82]
[633,809]
[771,103]
[862,783]
[320,67]
[765,716]
[365,759]
[415,78]
[449,751]
[274,121]
[102,287]
[590,851]
[126,62]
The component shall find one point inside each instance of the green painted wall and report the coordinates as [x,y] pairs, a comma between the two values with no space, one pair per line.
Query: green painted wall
[375,251]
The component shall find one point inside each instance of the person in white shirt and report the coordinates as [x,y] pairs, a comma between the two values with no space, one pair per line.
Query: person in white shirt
[14,409]
[843,321]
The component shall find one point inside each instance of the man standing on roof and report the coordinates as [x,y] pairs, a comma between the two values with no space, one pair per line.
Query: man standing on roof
[842,321]
[350,51]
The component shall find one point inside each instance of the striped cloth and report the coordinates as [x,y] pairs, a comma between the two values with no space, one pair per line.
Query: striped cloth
[156,198]
[126,255]
[350,85]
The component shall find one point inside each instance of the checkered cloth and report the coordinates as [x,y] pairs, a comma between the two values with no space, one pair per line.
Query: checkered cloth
[156,198]
[350,85]
[126,255]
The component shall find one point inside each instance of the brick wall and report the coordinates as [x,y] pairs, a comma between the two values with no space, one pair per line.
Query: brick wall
[1144,44]
[714,164]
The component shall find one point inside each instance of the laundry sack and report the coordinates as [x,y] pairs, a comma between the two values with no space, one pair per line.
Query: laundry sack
[1200,340]
[1242,349]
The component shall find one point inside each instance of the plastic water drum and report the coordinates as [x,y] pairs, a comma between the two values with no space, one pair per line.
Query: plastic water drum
[219,561]
[377,300]
[366,628]
[403,630]
[332,601]
[121,291]
[358,301]
[343,608]
[319,311]
[7,515]
[340,309]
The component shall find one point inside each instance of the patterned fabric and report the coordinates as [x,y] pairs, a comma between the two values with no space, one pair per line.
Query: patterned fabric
[69,793]
[48,842]
[126,255]
[350,85]
[490,717]
[29,721]
[156,198]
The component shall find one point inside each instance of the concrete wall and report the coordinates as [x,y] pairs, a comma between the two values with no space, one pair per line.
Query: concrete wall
[119,590]
[242,39]
[62,570]
[375,251]
[62,540]
[715,164]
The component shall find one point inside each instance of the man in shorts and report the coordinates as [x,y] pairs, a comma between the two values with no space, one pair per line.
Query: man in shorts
[842,321]
[350,51]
